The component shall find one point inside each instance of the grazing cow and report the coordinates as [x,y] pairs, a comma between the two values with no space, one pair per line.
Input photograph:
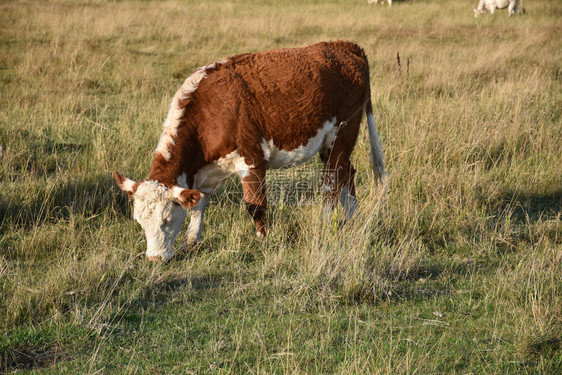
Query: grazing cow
[380,1]
[248,113]
[491,5]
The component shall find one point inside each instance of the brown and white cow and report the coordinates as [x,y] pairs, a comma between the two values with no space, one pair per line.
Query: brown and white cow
[249,113]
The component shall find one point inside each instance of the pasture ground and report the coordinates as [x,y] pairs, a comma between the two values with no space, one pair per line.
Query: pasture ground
[460,274]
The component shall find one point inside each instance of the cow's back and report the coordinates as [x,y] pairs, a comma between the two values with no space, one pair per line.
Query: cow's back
[285,95]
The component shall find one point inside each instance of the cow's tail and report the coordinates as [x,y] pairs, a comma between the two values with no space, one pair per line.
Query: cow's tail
[377,157]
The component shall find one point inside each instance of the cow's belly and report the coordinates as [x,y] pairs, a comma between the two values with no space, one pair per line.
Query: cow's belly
[211,176]
[277,158]
[500,4]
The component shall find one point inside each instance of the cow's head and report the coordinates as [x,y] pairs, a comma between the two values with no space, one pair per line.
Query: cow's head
[160,211]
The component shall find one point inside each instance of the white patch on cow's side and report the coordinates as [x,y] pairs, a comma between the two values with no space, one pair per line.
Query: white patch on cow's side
[167,139]
[235,163]
[277,158]
[211,176]
[195,228]
[265,146]
[157,212]
[330,138]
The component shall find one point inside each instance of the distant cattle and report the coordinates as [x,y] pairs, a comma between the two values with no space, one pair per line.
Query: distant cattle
[248,113]
[492,5]
[379,1]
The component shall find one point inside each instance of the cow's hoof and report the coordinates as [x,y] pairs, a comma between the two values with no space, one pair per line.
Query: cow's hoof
[190,242]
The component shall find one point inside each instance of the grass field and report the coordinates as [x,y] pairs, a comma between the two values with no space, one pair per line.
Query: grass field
[461,273]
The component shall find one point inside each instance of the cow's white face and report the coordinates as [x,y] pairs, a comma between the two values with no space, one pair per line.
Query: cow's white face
[160,211]
[161,217]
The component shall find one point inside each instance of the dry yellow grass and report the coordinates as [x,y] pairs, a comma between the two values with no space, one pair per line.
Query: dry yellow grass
[460,273]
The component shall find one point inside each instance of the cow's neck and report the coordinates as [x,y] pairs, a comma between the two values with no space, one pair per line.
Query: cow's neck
[186,157]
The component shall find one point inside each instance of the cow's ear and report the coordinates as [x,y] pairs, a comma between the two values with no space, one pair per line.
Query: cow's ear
[186,197]
[127,185]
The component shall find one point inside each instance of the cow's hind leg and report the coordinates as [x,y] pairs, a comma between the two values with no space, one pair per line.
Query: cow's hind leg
[255,199]
[339,172]
[338,183]
[348,199]
[193,234]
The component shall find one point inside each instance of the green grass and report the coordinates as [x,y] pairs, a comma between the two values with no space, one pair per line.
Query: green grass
[461,273]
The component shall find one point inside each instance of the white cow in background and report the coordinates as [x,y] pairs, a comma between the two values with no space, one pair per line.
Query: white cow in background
[491,5]
[380,1]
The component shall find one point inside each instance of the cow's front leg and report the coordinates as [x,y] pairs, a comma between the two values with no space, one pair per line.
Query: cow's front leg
[195,227]
[253,184]
[480,8]
[513,7]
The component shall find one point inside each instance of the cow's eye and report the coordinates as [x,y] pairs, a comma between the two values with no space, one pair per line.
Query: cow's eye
[166,221]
